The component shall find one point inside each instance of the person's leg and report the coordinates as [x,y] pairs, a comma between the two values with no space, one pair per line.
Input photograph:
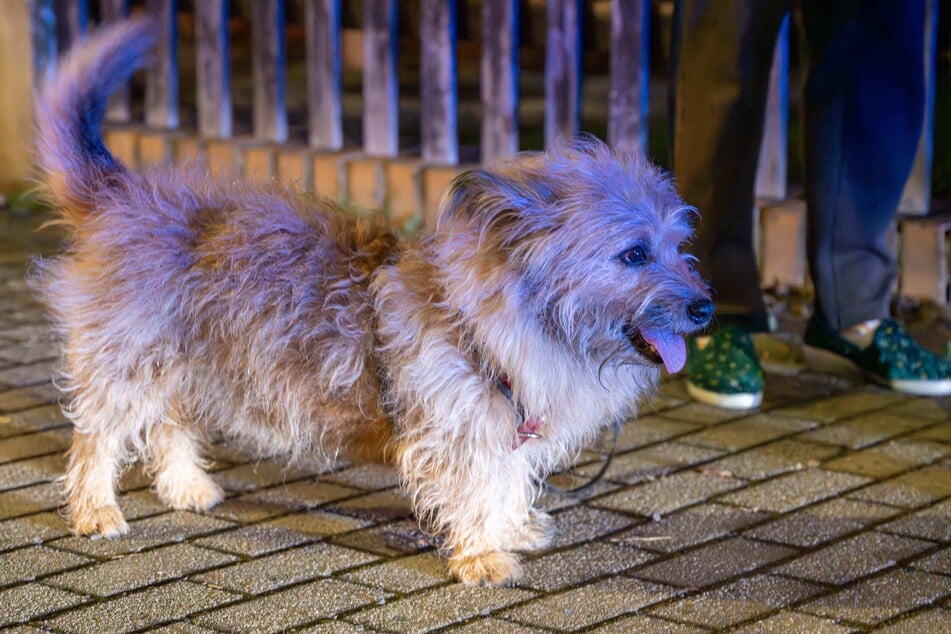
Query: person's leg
[721,57]
[863,105]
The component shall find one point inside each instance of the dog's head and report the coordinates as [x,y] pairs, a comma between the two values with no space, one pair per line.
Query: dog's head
[588,241]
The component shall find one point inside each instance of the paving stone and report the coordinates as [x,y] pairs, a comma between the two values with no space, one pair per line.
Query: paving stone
[933,522]
[181,628]
[380,506]
[252,476]
[301,495]
[937,433]
[582,523]
[590,604]
[867,430]
[255,540]
[789,622]
[739,601]
[292,607]
[644,624]
[790,491]
[140,569]
[650,462]
[35,444]
[648,430]
[31,562]
[319,523]
[32,374]
[888,459]
[772,459]
[34,498]
[713,563]
[35,419]
[688,527]
[882,597]
[406,574]
[24,603]
[439,607]
[910,490]
[30,352]
[390,540]
[746,432]
[285,568]
[703,414]
[152,606]
[939,562]
[32,471]
[170,527]
[854,557]
[25,397]
[922,409]
[668,493]
[928,621]
[839,407]
[335,626]
[586,562]
[248,509]
[369,477]
[32,529]
[820,523]
[482,625]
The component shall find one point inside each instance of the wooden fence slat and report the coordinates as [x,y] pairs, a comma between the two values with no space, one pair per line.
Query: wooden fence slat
[43,39]
[916,199]
[438,69]
[72,22]
[324,63]
[118,108]
[628,105]
[380,81]
[562,70]
[771,170]
[213,70]
[499,78]
[161,83]
[269,69]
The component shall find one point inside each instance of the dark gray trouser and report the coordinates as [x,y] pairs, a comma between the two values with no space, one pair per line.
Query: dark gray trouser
[862,103]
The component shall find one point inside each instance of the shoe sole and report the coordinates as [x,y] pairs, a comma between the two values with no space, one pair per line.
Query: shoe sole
[743,400]
[825,362]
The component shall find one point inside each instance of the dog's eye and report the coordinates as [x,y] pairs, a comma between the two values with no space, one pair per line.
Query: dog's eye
[635,256]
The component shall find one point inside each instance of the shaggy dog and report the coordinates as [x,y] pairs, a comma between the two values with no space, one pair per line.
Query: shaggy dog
[476,359]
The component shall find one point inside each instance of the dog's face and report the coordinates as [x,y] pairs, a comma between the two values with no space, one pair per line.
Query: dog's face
[589,242]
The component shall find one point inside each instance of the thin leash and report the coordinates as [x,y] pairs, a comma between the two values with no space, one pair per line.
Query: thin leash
[527,429]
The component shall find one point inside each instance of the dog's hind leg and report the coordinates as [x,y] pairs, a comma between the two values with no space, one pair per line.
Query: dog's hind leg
[91,474]
[179,476]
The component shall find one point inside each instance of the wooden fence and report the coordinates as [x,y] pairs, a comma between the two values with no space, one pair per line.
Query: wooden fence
[379,173]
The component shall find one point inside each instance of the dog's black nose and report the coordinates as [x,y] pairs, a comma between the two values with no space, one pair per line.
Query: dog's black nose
[700,311]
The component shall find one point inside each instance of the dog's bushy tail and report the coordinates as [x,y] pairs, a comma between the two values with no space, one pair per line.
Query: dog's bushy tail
[71,154]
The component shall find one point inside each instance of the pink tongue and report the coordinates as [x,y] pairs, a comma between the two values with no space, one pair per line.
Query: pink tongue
[670,346]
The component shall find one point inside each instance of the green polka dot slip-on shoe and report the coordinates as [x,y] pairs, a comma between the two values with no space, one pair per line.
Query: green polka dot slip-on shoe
[723,369]
[893,358]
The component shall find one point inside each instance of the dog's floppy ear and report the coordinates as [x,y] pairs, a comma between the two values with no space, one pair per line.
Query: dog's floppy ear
[495,205]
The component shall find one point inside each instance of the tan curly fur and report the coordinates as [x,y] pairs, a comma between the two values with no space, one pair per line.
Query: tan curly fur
[192,305]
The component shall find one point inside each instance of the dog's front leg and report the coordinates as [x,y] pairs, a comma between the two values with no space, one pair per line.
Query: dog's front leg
[469,483]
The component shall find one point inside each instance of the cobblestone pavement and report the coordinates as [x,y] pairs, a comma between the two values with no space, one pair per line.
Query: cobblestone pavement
[827,510]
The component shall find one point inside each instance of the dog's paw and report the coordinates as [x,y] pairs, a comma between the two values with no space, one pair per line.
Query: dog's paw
[196,491]
[537,532]
[493,568]
[100,521]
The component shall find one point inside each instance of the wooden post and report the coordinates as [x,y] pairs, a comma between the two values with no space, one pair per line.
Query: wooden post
[119,108]
[562,70]
[213,71]
[269,70]
[161,84]
[28,28]
[771,171]
[380,82]
[628,106]
[438,70]
[322,19]
[499,80]
[916,199]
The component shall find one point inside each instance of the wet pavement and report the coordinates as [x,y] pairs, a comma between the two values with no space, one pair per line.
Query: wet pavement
[826,510]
